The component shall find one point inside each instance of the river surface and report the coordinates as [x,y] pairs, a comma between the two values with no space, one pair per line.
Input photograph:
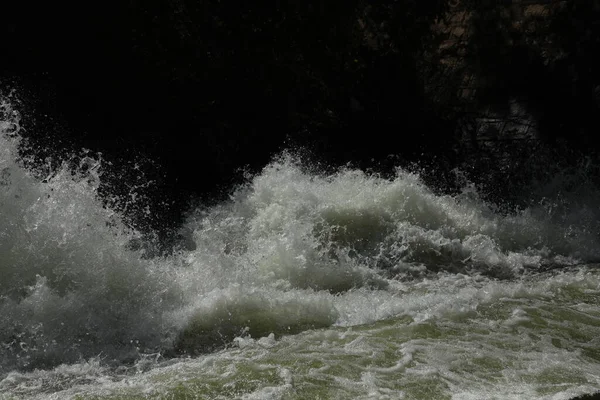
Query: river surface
[303,285]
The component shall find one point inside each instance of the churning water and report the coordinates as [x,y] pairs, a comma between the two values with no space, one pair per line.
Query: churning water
[302,286]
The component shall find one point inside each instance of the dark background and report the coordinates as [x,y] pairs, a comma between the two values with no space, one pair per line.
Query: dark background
[194,91]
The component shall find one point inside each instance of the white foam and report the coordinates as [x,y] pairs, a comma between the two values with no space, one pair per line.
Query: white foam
[292,251]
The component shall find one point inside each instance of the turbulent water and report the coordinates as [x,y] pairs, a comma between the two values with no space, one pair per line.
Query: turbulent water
[302,286]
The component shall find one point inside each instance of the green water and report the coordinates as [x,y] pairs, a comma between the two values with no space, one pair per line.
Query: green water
[303,285]
[538,338]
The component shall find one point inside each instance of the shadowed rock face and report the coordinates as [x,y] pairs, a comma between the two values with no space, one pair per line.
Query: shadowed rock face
[204,88]
[534,53]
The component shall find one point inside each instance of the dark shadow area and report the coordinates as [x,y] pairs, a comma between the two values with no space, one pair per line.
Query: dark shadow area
[191,93]
[594,396]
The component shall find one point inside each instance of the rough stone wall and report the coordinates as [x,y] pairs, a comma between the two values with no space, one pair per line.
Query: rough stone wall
[456,80]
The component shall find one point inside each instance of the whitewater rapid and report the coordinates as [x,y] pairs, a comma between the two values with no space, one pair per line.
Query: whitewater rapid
[302,284]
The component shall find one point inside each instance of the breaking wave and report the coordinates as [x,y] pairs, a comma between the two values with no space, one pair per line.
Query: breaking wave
[292,250]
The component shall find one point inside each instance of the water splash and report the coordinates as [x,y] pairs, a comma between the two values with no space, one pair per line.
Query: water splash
[292,250]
